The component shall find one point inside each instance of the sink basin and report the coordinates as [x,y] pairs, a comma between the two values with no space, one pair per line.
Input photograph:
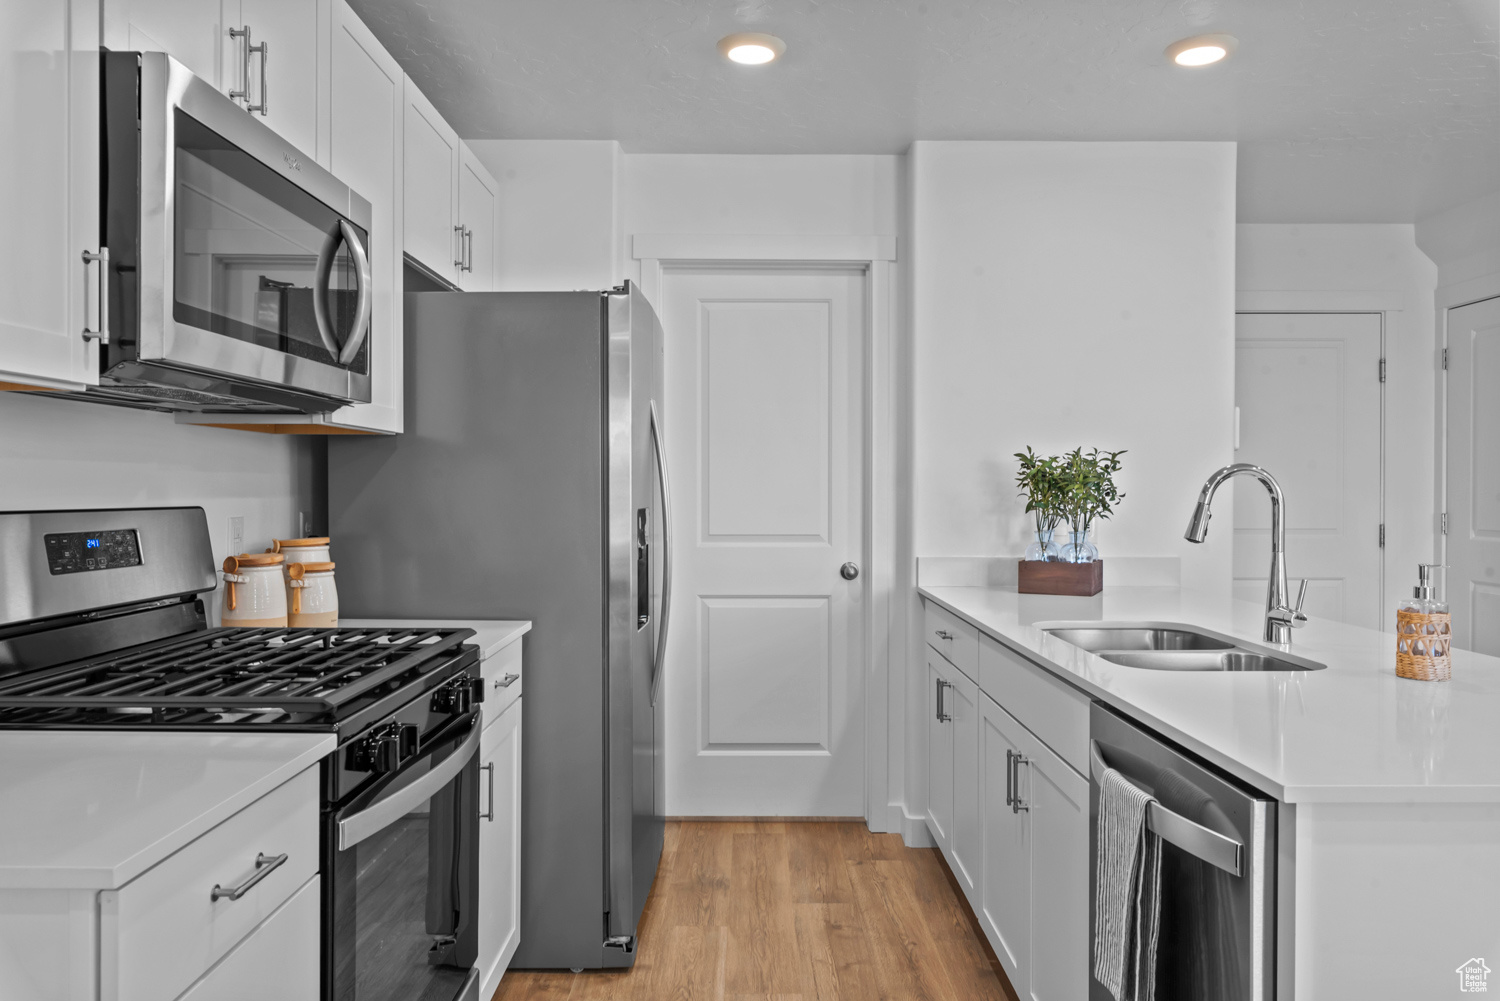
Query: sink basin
[1173,647]
[1207,660]
[1114,638]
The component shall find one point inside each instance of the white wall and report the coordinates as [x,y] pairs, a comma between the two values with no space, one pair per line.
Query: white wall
[1354,266]
[1072,294]
[1464,242]
[557,204]
[65,454]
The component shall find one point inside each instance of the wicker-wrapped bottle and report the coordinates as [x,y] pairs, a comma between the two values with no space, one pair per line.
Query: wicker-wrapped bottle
[1424,632]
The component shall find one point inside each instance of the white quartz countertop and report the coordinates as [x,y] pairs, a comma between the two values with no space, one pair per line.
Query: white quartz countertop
[87,810]
[490,635]
[1352,733]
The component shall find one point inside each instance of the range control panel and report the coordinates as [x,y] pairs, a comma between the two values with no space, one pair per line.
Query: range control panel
[79,552]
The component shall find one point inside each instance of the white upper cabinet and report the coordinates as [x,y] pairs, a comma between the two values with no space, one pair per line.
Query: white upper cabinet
[365,144]
[272,57]
[433,236]
[194,32]
[49,203]
[477,205]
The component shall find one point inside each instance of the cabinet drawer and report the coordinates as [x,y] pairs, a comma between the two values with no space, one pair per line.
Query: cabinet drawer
[954,638]
[1054,711]
[162,931]
[502,680]
[280,959]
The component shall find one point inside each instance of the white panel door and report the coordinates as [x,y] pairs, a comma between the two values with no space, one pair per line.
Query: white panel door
[1005,887]
[1308,389]
[49,201]
[764,415]
[1473,583]
[431,185]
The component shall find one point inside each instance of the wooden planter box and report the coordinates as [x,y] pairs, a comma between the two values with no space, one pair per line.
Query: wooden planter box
[1045,577]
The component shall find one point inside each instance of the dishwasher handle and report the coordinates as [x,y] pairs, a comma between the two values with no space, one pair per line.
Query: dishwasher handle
[1198,841]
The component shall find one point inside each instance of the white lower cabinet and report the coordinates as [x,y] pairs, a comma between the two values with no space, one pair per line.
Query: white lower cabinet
[280,959]
[953,767]
[939,752]
[1004,908]
[499,846]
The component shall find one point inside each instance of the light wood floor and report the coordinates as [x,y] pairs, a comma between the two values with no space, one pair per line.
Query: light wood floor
[792,912]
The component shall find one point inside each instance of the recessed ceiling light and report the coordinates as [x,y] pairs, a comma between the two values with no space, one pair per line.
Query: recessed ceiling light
[751,47]
[1201,50]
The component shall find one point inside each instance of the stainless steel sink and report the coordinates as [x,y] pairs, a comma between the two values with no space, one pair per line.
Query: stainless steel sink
[1173,647]
[1143,638]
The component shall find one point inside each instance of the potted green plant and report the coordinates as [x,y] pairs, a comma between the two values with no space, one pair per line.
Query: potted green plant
[1089,494]
[1042,486]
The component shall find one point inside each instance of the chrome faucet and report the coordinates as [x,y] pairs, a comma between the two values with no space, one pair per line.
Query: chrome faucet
[1281,618]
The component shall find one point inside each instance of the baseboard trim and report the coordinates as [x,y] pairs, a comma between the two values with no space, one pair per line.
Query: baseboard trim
[914,831]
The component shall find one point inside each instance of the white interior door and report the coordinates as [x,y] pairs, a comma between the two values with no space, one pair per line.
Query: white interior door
[1307,386]
[764,417]
[1473,584]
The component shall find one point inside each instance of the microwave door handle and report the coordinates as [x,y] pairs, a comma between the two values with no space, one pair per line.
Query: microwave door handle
[383,812]
[666,554]
[320,293]
[361,328]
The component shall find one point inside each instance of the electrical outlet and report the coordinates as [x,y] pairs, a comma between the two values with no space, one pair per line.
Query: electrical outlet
[236,535]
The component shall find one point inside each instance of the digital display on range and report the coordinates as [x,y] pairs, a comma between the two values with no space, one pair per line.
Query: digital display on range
[79,552]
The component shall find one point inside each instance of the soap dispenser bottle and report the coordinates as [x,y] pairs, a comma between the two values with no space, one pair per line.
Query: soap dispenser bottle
[1424,632]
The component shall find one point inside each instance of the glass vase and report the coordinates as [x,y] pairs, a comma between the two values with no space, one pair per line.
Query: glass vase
[1079,549]
[1043,549]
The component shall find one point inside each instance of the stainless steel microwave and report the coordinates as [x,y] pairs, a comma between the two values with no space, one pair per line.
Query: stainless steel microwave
[238,271]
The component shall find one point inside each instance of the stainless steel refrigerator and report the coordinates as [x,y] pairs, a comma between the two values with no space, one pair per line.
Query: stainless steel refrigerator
[528,485]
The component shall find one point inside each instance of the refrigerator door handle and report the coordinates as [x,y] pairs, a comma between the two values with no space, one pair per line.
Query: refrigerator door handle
[666,553]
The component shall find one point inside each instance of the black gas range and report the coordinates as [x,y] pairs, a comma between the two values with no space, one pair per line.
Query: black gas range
[103,626]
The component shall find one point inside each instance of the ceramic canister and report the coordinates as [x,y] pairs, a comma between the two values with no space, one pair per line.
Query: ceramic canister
[304,551]
[312,598]
[254,594]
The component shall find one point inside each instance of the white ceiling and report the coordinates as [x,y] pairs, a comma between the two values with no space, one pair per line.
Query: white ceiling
[1346,110]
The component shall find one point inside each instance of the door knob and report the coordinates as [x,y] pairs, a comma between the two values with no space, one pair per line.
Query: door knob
[849,571]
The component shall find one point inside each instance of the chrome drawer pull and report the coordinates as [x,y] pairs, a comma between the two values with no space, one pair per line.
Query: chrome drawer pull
[264,866]
[944,634]
[507,681]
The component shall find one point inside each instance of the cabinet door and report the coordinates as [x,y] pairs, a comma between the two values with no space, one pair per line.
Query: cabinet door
[280,959]
[365,152]
[431,185]
[194,32]
[963,706]
[1005,909]
[939,752]
[1058,798]
[499,847]
[476,212]
[283,79]
[49,203]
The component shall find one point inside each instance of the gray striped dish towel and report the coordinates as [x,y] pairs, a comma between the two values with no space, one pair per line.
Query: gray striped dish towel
[1127,879]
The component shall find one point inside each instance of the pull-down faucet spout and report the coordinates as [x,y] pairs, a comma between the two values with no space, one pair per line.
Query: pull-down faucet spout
[1281,618]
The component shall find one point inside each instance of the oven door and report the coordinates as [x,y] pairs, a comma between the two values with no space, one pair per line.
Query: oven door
[400,901]
[254,261]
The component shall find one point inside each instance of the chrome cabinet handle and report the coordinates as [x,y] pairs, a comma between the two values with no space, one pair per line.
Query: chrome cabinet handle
[1195,839]
[243,34]
[1015,762]
[507,681]
[468,241]
[490,813]
[944,634]
[264,866]
[1010,796]
[942,716]
[265,51]
[666,553]
[458,234]
[101,334]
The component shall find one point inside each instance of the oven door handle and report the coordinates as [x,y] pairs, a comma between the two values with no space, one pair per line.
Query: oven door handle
[379,815]
[1193,838]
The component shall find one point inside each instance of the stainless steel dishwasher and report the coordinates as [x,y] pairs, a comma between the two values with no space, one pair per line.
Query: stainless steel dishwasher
[1218,868]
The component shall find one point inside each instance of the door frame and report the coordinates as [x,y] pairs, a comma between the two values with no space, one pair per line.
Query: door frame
[875,257]
[1445,299]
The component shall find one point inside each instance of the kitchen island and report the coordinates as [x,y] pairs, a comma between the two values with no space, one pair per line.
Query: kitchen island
[1389,823]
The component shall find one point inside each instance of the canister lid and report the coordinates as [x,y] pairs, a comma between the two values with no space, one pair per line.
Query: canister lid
[259,559]
[279,544]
